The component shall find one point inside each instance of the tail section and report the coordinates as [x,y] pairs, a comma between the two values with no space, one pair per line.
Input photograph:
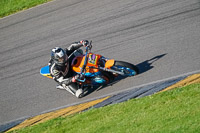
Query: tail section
[45,72]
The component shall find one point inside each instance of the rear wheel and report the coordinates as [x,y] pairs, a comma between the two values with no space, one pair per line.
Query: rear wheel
[127,68]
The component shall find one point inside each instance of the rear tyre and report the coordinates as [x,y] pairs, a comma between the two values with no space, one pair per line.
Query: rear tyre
[128,68]
[108,75]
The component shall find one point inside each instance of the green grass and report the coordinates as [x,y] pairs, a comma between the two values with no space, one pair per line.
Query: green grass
[8,7]
[175,111]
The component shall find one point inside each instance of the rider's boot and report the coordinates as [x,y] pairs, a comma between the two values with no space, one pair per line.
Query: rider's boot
[60,87]
[73,89]
[79,93]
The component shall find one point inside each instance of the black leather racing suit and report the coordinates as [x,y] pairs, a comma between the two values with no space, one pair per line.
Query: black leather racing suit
[63,74]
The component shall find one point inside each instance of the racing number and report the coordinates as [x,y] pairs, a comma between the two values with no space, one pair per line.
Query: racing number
[92,59]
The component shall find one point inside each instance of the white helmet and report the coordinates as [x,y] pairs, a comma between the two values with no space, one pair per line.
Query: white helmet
[59,56]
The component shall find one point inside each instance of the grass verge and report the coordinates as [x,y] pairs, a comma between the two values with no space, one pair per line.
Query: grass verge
[8,7]
[171,111]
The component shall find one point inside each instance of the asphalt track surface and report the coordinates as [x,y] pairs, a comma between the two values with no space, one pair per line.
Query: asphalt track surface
[161,37]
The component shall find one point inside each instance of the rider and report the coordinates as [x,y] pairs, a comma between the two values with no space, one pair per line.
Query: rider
[60,67]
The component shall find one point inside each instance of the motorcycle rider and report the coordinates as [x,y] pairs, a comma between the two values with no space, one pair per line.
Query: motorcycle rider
[60,67]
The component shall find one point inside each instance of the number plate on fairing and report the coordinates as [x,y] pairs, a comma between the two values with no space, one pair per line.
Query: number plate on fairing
[92,59]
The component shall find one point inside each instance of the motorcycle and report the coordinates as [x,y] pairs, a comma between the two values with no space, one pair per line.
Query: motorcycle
[95,70]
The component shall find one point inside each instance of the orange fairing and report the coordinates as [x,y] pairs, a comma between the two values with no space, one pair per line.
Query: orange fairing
[78,63]
[109,63]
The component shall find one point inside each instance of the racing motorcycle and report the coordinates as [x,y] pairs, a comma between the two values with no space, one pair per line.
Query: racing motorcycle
[95,70]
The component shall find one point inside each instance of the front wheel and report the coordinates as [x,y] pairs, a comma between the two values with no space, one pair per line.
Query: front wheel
[127,68]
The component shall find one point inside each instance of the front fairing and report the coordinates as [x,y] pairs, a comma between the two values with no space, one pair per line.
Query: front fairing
[91,65]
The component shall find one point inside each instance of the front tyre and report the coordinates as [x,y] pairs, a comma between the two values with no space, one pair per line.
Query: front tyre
[127,68]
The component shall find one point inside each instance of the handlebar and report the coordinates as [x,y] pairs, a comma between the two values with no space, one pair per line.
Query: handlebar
[86,57]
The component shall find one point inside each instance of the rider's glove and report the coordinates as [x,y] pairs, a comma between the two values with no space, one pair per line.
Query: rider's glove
[84,42]
[78,77]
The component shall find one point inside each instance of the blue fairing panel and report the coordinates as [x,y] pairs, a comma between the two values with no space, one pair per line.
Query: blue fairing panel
[45,70]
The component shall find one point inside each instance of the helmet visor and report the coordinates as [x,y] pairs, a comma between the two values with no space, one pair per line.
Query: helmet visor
[63,59]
